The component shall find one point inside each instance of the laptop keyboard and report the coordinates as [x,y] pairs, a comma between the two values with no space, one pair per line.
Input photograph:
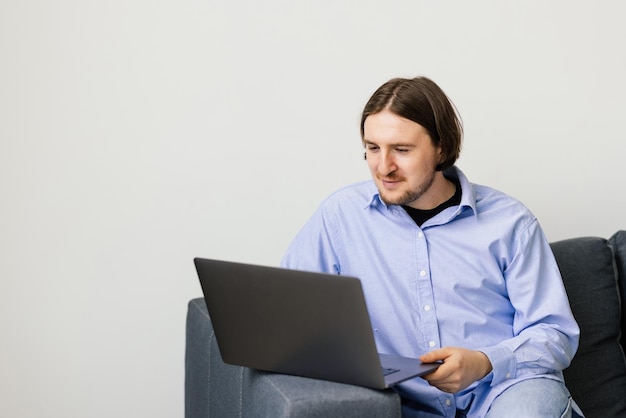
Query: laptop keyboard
[387,371]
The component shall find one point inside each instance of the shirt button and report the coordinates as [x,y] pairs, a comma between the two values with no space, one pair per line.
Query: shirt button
[508,375]
[448,402]
[420,234]
[427,308]
[423,273]
[432,343]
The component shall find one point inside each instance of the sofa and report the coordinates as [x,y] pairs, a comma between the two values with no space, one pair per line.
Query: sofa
[593,271]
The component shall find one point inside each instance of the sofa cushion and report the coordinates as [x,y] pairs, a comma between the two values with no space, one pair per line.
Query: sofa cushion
[597,376]
[618,243]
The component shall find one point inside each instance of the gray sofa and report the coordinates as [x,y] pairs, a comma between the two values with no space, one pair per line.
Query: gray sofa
[593,271]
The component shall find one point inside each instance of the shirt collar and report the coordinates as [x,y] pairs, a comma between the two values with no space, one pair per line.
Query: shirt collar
[468,195]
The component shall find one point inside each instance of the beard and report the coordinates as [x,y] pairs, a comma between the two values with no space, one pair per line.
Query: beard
[408,196]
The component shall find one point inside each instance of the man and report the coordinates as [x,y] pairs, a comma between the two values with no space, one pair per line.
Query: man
[451,271]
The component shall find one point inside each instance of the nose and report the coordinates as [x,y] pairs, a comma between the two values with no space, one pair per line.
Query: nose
[386,164]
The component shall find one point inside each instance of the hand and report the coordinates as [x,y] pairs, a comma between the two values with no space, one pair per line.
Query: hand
[461,367]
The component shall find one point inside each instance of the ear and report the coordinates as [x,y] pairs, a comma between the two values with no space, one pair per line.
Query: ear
[440,158]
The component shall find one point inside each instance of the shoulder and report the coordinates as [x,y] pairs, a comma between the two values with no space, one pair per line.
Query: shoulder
[356,195]
[489,199]
[506,216]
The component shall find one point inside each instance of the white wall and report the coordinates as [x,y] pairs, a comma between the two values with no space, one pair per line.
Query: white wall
[136,134]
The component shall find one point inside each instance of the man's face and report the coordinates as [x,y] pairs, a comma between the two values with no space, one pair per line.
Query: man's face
[402,159]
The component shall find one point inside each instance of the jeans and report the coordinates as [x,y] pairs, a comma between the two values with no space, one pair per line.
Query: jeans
[534,398]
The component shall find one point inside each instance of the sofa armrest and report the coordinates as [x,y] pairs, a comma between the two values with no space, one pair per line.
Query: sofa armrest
[215,389]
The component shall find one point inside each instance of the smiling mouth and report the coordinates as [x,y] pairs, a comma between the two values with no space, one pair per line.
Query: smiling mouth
[390,182]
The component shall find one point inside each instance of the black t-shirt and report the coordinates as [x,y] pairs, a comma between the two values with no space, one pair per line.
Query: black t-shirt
[420,216]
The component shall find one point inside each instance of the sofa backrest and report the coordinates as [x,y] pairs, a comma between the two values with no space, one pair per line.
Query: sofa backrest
[597,376]
[618,244]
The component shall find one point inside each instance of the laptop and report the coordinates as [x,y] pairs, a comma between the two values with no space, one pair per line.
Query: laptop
[299,323]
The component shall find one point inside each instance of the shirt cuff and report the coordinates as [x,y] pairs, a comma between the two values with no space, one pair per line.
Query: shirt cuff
[503,363]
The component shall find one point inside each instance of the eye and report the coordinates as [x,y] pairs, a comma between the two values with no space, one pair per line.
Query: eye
[372,147]
[402,150]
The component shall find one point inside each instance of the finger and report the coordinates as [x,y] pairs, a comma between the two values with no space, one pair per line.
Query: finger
[435,355]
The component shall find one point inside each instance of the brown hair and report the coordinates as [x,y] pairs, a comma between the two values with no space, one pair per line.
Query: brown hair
[422,101]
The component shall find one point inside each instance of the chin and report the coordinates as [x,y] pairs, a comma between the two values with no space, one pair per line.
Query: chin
[400,198]
[391,200]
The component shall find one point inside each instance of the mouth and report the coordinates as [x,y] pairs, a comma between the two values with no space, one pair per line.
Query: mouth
[390,183]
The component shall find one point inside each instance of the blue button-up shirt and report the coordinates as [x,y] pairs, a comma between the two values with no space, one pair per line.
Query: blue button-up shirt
[480,275]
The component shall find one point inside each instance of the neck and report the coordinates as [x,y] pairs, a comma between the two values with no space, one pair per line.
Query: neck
[439,192]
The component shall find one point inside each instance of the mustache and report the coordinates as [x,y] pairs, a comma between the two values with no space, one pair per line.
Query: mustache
[390,177]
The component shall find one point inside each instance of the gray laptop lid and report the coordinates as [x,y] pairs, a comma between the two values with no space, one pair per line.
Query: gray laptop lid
[295,322]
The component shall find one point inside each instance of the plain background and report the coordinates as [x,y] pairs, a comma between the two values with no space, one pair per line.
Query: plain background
[138,134]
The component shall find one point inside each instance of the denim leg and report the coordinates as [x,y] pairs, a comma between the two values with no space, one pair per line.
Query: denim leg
[533,398]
